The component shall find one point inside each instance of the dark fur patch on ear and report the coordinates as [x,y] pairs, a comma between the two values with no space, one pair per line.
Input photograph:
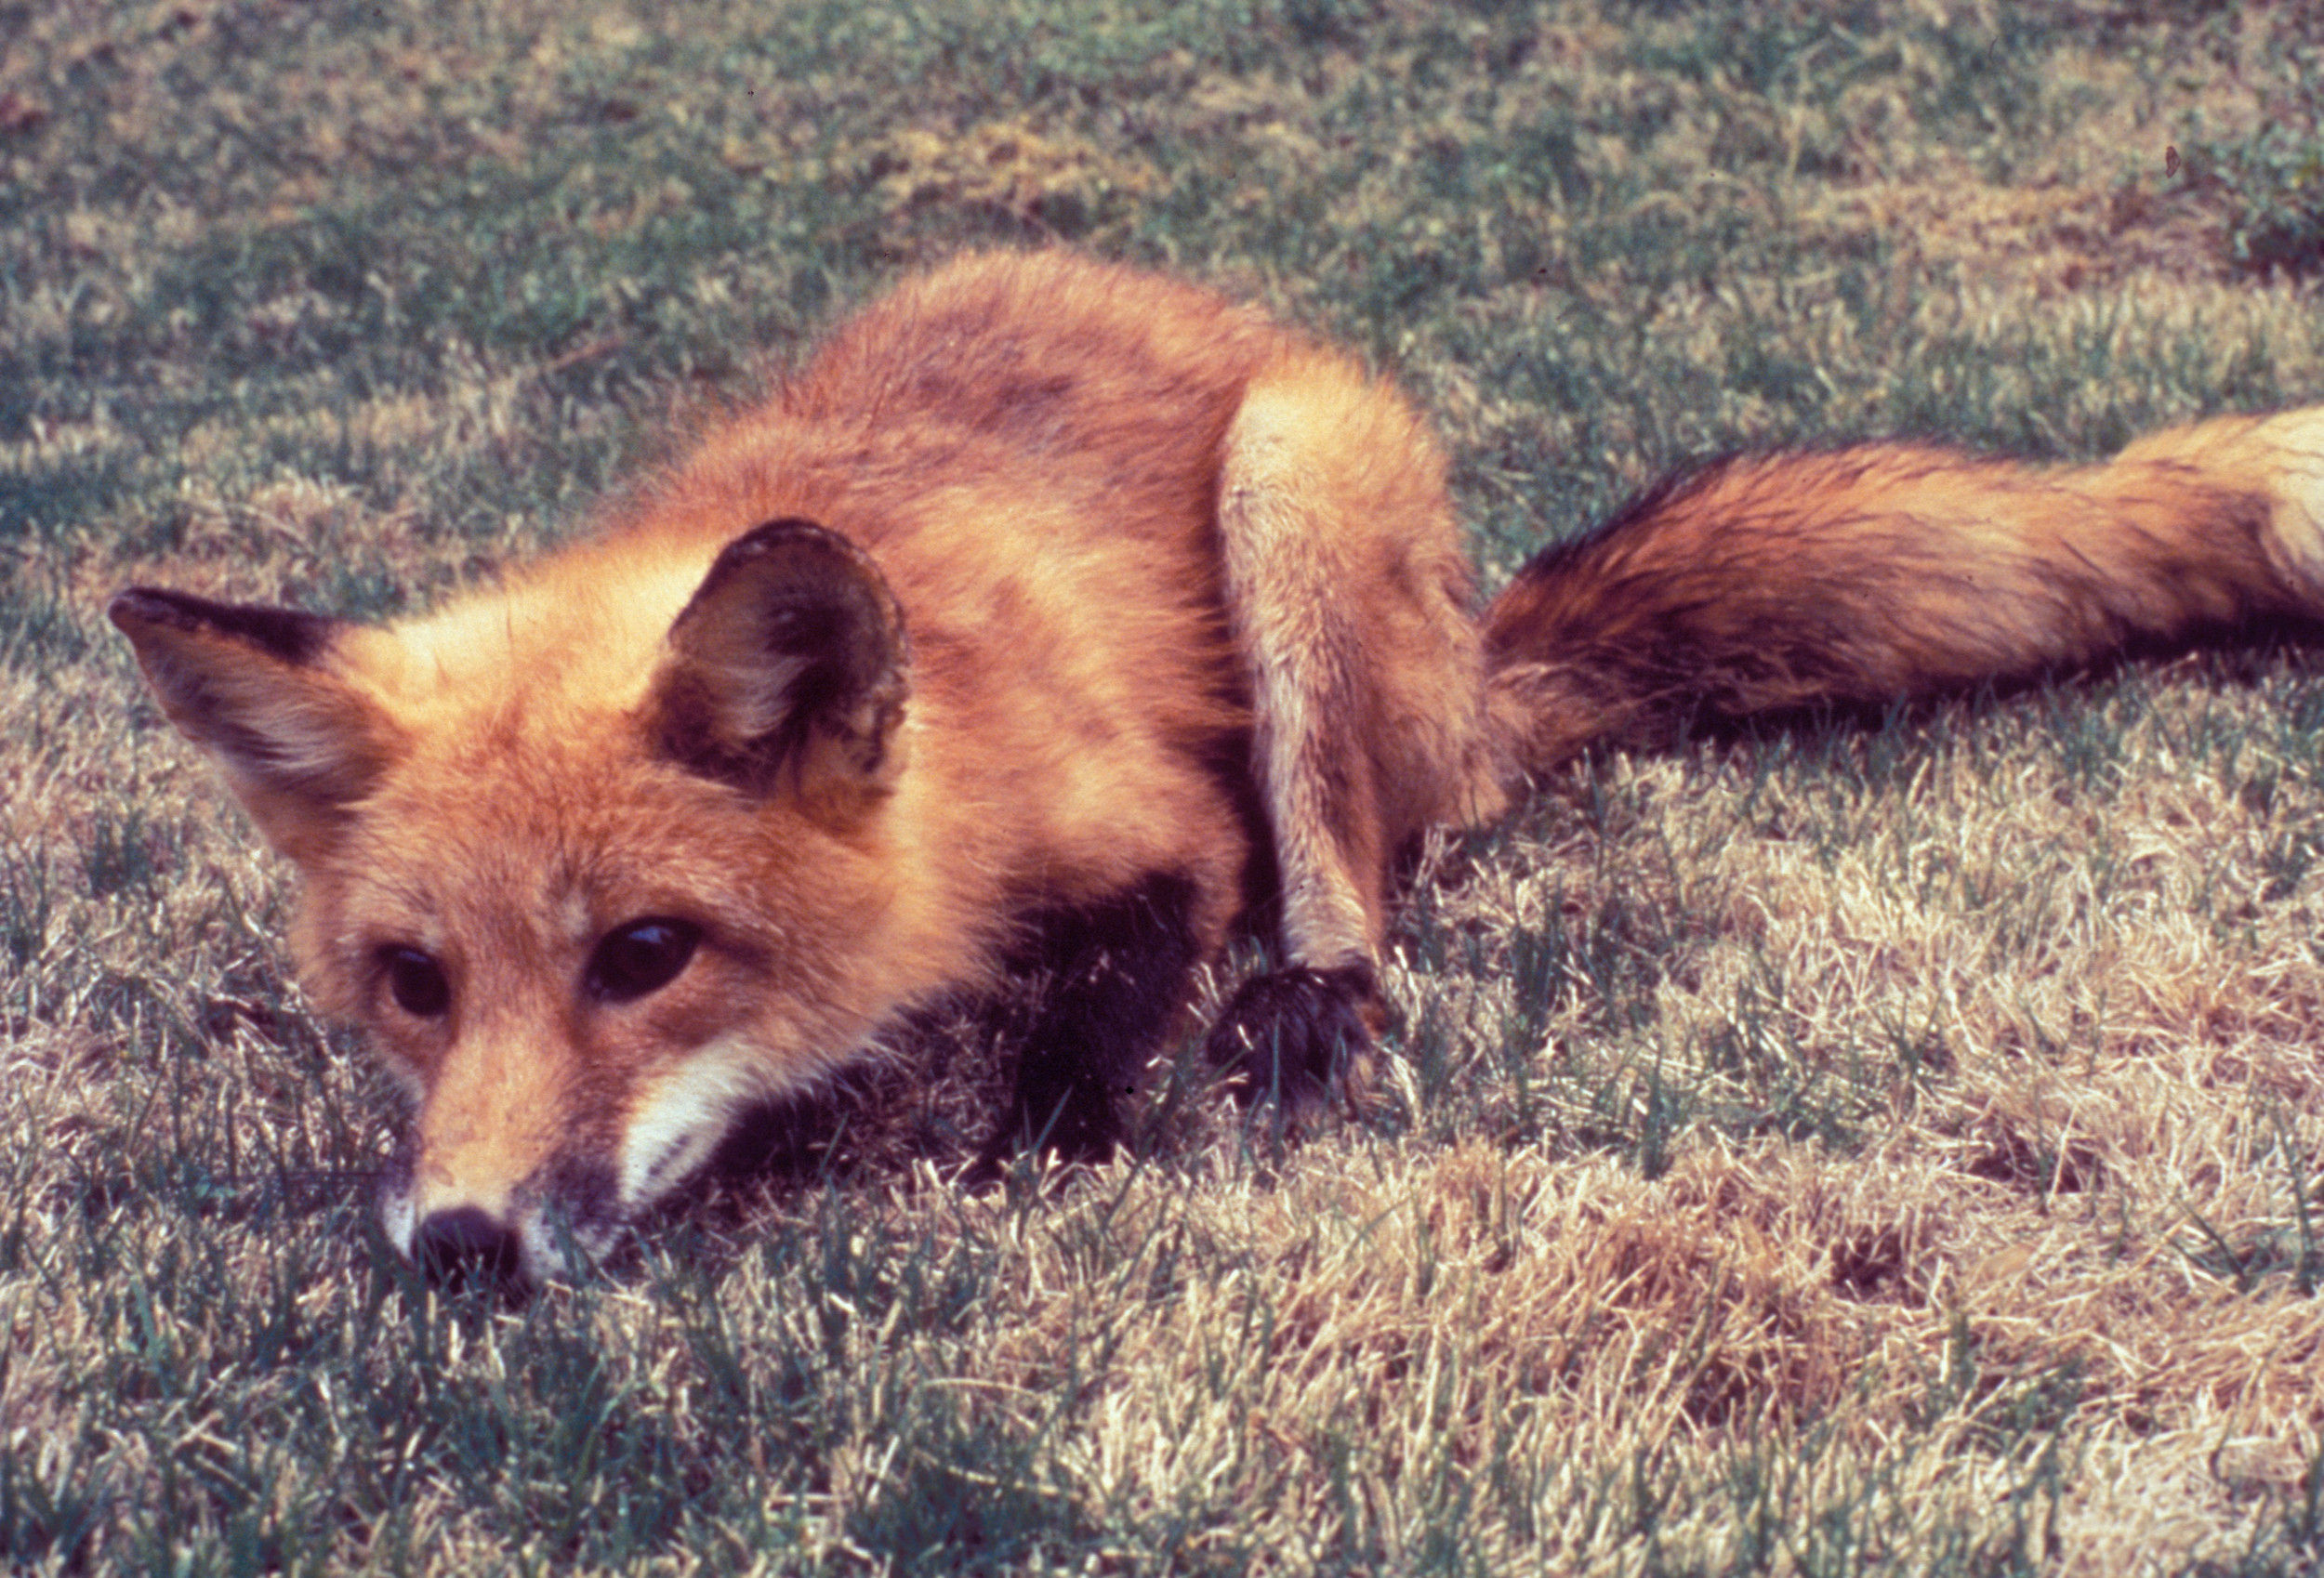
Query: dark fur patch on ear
[285,633]
[760,543]
[793,640]
[256,687]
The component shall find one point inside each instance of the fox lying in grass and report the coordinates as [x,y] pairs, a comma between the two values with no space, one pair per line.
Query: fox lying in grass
[1058,607]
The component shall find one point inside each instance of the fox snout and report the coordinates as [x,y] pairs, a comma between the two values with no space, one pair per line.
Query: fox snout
[466,1245]
[516,1171]
[566,1218]
[524,1166]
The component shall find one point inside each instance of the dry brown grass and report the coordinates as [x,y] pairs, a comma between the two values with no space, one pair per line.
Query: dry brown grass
[2120,1015]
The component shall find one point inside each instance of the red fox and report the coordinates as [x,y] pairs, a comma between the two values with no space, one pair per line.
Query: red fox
[1058,601]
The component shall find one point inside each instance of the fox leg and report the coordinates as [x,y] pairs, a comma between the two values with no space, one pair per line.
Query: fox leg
[1113,978]
[1348,601]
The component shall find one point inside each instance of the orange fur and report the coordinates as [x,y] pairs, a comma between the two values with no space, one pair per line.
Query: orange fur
[1889,570]
[1054,602]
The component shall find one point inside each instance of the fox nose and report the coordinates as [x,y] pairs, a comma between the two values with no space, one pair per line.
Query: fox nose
[465,1247]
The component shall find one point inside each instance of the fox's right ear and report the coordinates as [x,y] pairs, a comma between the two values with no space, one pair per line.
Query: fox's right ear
[252,685]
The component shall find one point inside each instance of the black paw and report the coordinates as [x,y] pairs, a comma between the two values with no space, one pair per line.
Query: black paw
[1293,1034]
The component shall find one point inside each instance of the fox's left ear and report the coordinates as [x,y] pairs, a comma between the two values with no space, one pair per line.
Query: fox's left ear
[788,670]
[255,686]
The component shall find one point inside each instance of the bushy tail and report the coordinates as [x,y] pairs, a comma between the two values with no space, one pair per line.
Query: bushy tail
[1867,574]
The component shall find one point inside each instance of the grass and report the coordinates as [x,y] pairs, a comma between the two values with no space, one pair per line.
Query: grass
[1838,1148]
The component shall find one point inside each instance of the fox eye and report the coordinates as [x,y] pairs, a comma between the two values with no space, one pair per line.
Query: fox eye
[417,982]
[643,956]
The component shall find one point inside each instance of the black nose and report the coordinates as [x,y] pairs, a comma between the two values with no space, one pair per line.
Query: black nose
[465,1247]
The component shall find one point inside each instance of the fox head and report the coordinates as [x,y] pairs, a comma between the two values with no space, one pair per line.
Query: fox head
[595,861]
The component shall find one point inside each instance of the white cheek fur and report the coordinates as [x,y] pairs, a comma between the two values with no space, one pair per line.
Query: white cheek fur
[680,1122]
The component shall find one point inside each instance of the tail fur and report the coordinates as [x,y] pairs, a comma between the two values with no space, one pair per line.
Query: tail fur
[1887,570]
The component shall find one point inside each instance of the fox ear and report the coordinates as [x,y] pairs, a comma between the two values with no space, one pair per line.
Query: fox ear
[790,667]
[252,685]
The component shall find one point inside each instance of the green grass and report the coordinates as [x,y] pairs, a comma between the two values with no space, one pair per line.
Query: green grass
[1843,1147]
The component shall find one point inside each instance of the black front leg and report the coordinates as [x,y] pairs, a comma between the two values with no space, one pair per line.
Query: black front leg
[1116,975]
[1294,1035]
